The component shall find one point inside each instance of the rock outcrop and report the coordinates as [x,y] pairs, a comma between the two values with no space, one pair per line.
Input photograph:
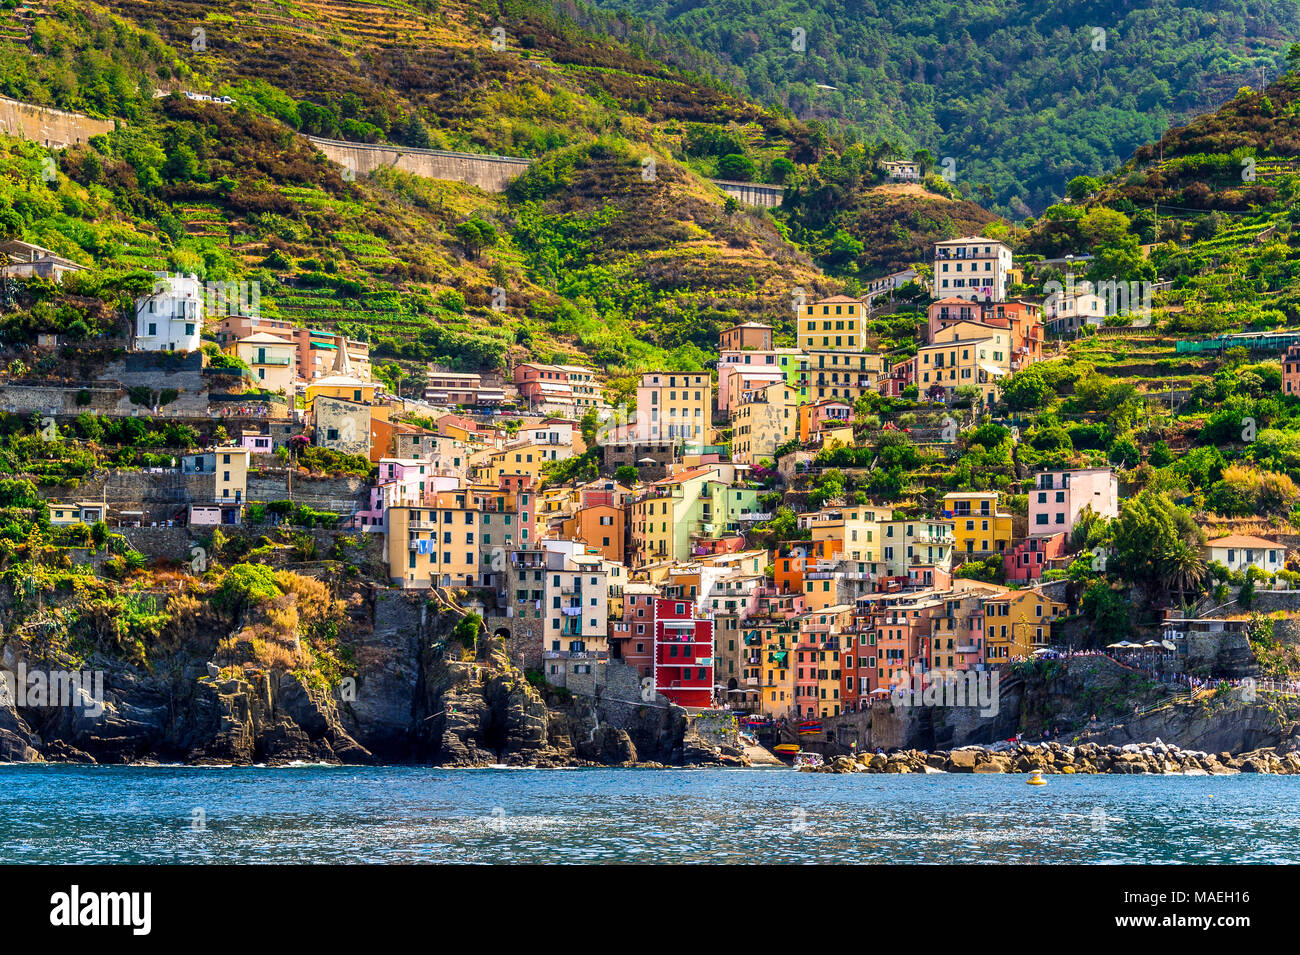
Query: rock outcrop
[415,695]
[1053,758]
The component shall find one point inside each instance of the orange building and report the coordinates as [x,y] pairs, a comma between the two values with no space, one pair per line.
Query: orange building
[602,526]
[753,335]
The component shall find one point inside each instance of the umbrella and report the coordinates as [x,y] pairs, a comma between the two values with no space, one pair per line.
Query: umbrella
[1116,646]
[1041,650]
[1168,644]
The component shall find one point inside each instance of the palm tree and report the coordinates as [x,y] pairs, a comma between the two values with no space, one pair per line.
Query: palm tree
[1184,569]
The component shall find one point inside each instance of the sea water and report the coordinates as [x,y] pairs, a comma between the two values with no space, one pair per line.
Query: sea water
[315,814]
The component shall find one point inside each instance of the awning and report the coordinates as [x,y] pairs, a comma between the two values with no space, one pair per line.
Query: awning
[993,370]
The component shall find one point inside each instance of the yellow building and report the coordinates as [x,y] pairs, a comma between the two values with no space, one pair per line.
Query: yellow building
[854,529]
[232,474]
[979,528]
[773,666]
[652,526]
[347,387]
[764,420]
[1017,623]
[845,375]
[272,360]
[78,512]
[523,459]
[435,545]
[675,405]
[837,323]
[966,354]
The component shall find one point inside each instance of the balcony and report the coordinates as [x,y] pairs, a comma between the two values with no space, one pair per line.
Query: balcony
[571,611]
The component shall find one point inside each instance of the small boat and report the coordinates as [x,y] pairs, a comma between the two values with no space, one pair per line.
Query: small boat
[811,760]
[1036,779]
[786,749]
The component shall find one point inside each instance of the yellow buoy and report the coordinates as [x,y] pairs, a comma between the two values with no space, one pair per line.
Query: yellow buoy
[1036,779]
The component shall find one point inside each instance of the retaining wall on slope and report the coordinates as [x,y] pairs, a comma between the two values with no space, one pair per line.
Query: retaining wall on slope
[54,128]
[490,173]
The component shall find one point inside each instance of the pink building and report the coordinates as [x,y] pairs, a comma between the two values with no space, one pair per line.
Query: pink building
[765,364]
[257,443]
[1059,496]
[319,353]
[827,413]
[1291,371]
[1028,559]
[402,482]
[546,385]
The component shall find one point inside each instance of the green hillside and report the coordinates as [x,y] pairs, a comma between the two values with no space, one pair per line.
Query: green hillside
[1022,96]
[235,193]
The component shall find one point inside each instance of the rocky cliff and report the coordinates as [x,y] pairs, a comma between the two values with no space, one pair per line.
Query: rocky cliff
[412,693]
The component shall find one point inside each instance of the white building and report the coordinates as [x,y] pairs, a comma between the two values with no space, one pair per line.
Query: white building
[171,318]
[971,267]
[1239,551]
[902,170]
[1067,311]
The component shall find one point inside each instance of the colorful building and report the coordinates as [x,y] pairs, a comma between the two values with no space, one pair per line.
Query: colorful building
[1059,497]
[837,323]
[675,405]
[979,528]
[1016,623]
[683,654]
[971,267]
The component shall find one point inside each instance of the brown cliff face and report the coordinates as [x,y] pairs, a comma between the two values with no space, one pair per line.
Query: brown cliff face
[482,711]
[412,694]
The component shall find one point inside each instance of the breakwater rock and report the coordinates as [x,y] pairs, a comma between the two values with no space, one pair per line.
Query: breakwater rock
[1054,758]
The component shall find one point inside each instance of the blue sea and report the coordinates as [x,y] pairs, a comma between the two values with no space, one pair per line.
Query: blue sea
[317,814]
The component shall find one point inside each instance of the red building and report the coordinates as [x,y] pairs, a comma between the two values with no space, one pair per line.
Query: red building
[632,638]
[543,384]
[1027,560]
[683,653]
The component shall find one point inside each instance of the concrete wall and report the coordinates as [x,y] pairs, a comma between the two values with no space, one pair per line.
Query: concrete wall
[761,194]
[489,173]
[339,494]
[49,127]
[177,543]
[347,421]
[17,398]
[165,495]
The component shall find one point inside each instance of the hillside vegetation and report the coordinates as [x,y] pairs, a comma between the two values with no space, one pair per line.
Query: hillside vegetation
[614,249]
[1022,96]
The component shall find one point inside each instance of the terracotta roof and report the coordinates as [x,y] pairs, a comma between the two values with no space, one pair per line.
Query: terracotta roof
[1242,540]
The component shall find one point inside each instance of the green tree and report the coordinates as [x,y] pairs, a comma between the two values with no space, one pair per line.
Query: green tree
[1149,531]
[1081,187]
[736,167]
